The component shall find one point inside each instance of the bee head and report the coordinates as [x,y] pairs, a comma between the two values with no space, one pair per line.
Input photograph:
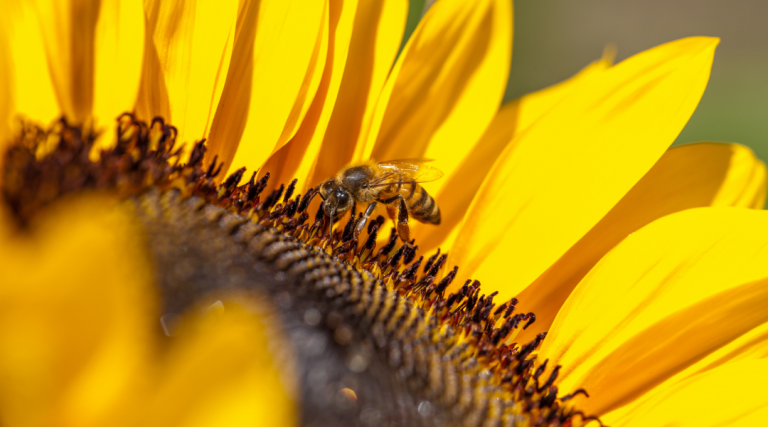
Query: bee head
[337,199]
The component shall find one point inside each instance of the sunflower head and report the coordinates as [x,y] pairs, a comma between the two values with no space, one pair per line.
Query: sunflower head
[230,294]
[393,300]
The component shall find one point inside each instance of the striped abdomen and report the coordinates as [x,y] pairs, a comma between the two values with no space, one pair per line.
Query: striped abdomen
[421,206]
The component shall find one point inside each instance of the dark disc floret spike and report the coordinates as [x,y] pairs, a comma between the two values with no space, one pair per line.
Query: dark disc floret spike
[307,199]
[289,190]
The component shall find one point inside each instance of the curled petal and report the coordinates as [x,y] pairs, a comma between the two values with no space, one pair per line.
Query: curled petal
[69,29]
[274,45]
[376,35]
[297,159]
[31,87]
[186,52]
[118,54]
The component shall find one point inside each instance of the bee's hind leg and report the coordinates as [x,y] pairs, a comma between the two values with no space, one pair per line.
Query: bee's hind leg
[360,225]
[398,211]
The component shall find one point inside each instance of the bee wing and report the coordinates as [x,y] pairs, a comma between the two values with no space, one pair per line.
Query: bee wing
[406,170]
[385,179]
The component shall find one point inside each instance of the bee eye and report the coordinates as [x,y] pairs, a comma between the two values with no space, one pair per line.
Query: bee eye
[343,198]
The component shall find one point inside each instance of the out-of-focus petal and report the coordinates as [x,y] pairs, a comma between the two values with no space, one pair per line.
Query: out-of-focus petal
[461,186]
[274,45]
[446,86]
[117,65]
[563,174]
[76,305]
[219,371]
[732,395]
[311,83]
[6,86]
[298,157]
[153,99]
[7,104]
[68,28]
[192,75]
[189,38]
[32,89]
[376,36]
[689,176]
[666,297]
[285,162]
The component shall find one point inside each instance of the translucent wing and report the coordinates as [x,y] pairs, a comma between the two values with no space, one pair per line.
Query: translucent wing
[405,171]
[413,169]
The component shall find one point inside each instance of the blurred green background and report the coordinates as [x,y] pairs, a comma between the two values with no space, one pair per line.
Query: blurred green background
[554,39]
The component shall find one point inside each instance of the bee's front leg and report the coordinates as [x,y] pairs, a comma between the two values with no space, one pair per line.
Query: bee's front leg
[360,225]
[398,211]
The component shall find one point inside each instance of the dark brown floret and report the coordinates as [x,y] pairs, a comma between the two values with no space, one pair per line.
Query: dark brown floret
[306,200]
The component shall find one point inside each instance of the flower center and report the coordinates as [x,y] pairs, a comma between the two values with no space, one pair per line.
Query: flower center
[377,334]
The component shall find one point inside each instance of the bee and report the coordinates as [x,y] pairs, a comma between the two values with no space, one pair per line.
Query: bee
[394,183]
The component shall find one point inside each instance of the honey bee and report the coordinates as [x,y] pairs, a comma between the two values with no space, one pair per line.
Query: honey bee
[394,183]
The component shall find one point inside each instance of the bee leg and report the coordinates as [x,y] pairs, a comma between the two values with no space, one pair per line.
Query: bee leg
[392,211]
[360,225]
[398,211]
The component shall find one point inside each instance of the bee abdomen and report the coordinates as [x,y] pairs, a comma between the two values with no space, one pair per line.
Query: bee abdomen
[422,206]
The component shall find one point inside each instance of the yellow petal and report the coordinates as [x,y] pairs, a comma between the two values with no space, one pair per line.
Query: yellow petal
[152,100]
[117,68]
[745,184]
[32,88]
[283,164]
[68,28]
[689,176]
[219,371]
[298,157]
[446,86]
[667,296]
[212,44]
[460,187]
[533,106]
[274,44]
[6,87]
[311,83]
[76,306]
[753,345]
[190,38]
[575,163]
[376,36]
[232,96]
[733,395]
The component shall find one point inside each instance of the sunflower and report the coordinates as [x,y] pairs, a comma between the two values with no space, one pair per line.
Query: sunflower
[583,272]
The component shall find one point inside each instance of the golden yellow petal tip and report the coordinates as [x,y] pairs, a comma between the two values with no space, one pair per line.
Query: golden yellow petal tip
[609,53]
[705,42]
